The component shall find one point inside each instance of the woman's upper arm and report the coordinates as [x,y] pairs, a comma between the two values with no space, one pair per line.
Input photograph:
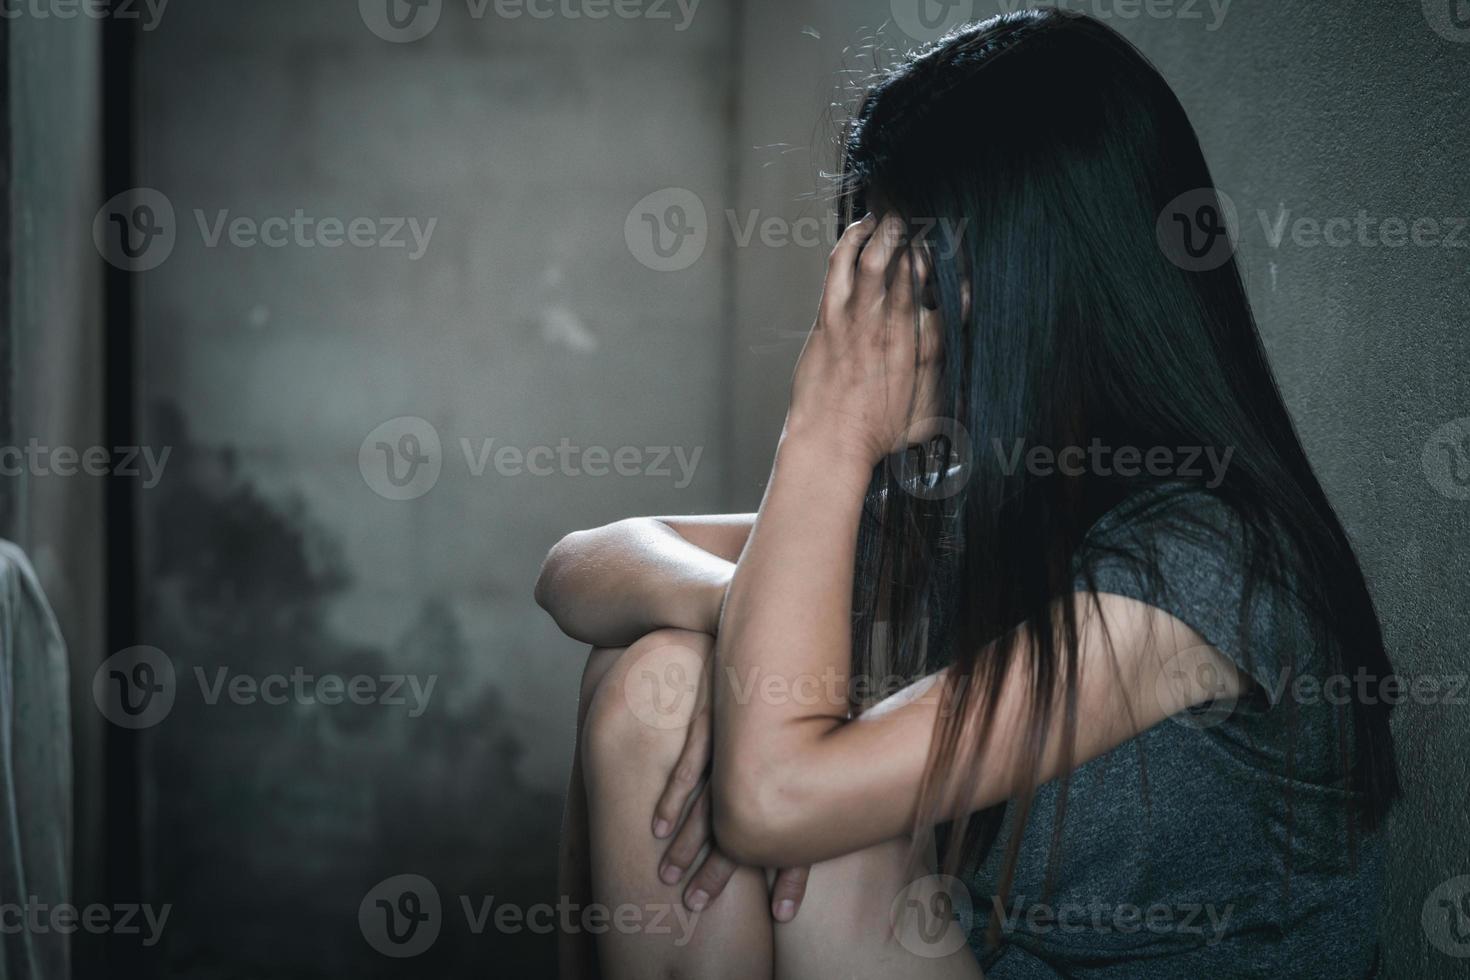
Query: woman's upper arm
[839,790]
[722,535]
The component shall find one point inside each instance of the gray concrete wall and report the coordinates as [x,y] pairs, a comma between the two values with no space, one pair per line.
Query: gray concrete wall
[272,544]
[1311,110]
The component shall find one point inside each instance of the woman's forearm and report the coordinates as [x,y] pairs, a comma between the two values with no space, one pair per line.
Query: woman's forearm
[611,585]
[786,627]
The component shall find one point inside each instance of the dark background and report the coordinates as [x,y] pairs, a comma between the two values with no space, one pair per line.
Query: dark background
[533,317]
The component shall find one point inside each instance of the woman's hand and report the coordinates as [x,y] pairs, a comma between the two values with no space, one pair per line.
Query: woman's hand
[692,830]
[866,374]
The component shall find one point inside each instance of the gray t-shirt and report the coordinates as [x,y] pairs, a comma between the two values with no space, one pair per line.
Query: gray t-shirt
[1173,860]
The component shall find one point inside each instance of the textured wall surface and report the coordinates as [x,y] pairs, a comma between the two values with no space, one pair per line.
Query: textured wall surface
[271,545]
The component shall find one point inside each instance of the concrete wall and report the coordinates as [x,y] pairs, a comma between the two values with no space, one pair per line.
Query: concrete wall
[271,545]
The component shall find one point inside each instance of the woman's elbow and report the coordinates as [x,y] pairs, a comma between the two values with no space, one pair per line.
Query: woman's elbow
[552,566]
[754,815]
[555,583]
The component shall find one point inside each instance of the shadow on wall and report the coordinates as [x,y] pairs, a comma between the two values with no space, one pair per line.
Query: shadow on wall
[269,816]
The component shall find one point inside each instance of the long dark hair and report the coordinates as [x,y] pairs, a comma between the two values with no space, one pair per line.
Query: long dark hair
[1031,156]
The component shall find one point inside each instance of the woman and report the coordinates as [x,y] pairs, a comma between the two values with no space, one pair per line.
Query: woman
[989,486]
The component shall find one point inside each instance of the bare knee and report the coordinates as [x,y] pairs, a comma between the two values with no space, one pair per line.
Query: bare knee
[641,701]
[599,661]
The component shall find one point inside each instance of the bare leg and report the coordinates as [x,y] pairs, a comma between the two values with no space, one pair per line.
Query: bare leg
[868,916]
[846,926]
[632,738]
[577,949]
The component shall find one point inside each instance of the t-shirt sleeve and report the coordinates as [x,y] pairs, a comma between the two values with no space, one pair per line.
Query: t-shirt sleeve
[1186,554]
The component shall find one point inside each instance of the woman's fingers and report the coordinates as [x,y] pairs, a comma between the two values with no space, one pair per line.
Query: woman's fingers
[787,892]
[684,849]
[876,261]
[901,297]
[842,267]
[711,878]
[685,776]
[931,335]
